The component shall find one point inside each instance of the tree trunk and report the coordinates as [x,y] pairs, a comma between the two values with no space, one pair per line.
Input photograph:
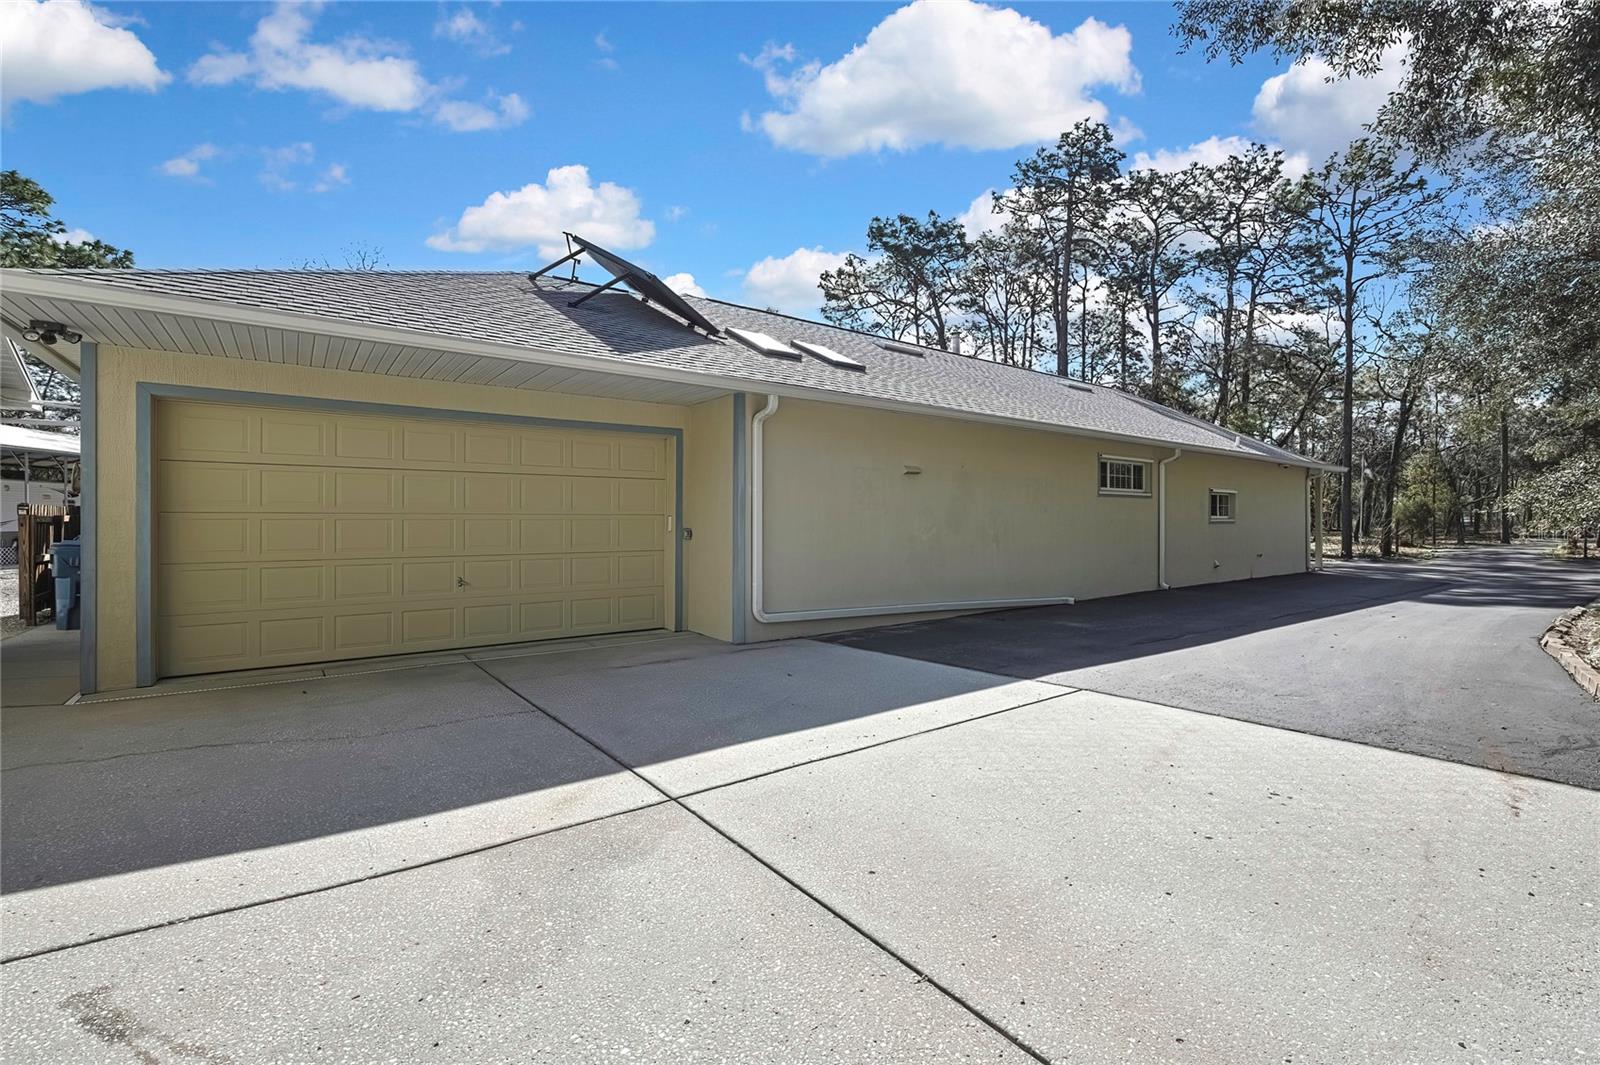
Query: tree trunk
[1346,549]
[1387,544]
[1505,476]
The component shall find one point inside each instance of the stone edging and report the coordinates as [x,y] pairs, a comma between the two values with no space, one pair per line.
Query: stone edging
[1554,641]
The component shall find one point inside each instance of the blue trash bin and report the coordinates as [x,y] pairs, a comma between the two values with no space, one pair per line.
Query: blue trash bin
[66,562]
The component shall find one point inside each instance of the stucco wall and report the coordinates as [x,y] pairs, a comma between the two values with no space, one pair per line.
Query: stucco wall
[708,498]
[1267,536]
[121,370]
[995,512]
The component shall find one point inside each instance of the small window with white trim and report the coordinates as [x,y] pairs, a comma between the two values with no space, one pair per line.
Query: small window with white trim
[1124,477]
[1222,504]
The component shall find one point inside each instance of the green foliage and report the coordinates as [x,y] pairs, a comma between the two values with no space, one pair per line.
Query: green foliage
[31,236]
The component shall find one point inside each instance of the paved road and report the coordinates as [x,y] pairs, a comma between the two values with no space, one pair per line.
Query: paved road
[1438,658]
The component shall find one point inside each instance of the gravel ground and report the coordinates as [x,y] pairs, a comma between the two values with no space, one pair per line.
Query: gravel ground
[10,624]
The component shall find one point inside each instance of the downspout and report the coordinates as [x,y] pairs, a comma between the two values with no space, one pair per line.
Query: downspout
[758,551]
[1161,518]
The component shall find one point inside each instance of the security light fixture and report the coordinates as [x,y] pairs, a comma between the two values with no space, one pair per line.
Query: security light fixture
[49,332]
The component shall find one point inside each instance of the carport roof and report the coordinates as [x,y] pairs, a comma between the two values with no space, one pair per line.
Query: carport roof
[507,316]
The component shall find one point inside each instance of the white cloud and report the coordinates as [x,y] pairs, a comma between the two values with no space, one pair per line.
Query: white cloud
[1210,152]
[60,47]
[536,215]
[464,27]
[980,217]
[501,112]
[337,174]
[677,212]
[359,72]
[790,283]
[355,71]
[187,165]
[949,72]
[72,236]
[683,284]
[1307,113]
[279,165]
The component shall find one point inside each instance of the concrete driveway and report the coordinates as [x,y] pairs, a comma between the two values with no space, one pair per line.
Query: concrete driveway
[669,850]
[1438,658]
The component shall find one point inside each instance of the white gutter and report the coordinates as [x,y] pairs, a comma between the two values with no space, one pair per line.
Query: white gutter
[1161,518]
[53,287]
[758,559]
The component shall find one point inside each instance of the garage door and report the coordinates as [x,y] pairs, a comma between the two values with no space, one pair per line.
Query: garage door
[288,536]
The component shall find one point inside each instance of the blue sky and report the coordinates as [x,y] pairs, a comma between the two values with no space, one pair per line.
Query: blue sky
[744,144]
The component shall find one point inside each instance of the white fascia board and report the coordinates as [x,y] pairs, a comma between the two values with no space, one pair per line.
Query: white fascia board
[58,287]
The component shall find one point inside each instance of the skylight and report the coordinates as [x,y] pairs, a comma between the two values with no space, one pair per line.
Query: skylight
[828,355]
[767,345]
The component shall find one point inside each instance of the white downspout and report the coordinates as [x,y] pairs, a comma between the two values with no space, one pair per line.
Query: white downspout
[758,550]
[1161,518]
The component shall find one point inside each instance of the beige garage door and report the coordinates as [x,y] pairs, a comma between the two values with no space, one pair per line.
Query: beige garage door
[287,536]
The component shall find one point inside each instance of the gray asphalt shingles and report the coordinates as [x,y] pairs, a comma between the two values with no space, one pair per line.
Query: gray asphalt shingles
[507,308]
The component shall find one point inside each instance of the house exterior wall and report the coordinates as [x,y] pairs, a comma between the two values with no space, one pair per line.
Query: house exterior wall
[708,513]
[121,370]
[995,512]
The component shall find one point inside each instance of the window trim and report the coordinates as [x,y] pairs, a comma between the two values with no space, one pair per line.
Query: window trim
[1136,493]
[1233,506]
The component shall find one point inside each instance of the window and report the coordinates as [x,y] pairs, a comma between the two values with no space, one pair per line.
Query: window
[1124,477]
[1222,508]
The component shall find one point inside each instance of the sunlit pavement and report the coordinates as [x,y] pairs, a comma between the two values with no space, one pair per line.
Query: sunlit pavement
[675,851]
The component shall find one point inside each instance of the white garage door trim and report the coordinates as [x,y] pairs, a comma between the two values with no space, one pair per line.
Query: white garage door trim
[145,458]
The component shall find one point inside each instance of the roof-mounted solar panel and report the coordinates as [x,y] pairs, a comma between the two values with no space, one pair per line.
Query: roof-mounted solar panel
[767,345]
[829,356]
[642,281]
[904,349]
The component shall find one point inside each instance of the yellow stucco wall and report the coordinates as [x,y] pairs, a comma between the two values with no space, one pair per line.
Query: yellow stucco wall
[1267,537]
[996,512]
[120,370]
[708,496]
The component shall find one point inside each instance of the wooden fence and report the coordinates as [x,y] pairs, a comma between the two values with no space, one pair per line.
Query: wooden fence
[38,528]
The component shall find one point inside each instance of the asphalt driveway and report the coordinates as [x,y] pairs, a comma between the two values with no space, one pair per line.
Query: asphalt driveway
[1439,658]
[671,850]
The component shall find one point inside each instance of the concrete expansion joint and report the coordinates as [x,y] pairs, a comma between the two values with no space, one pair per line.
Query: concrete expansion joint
[922,976]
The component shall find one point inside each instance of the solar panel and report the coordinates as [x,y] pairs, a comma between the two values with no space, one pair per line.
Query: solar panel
[828,355]
[767,345]
[642,281]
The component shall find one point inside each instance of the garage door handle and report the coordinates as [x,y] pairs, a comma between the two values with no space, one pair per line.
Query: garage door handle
[461,582]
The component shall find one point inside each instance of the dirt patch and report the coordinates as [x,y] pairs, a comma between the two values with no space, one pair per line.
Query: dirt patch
[10,623]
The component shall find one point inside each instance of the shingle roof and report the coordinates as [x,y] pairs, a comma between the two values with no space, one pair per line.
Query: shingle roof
[507,308]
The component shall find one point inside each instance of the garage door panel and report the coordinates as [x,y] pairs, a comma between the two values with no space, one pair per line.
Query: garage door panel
[374,491]
[203,486]
[289,537]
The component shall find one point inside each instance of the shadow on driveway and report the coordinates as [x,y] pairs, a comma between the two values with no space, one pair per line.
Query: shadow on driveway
[1440,659]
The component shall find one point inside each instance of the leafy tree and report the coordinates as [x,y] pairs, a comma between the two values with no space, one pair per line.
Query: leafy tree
[1154,218]
[1368,208]
[1515,72]
[30,235]
[1062,193]
[910,288]
[1005,295]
